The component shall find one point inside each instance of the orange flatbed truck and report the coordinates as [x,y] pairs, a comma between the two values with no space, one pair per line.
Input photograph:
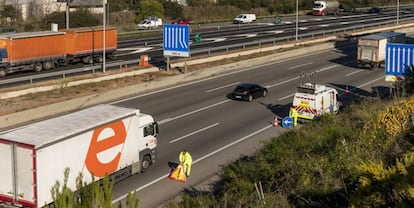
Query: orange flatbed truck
[37,51]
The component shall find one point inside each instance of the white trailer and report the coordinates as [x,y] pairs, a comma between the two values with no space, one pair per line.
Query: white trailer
[97,141]
[312,100]
[371,48]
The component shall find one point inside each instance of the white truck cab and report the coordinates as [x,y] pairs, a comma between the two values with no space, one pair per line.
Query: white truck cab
[312,100]
[244,18]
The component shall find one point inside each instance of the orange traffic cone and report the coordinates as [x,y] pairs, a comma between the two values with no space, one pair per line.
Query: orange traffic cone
[275,122]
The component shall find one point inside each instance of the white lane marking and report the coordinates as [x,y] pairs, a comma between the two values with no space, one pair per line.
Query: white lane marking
[195,132]
[283,82]
[362,85]
[303,20]
[325,25]
[287,96]
[276,31]
[218,76]
[303,28]
[192,112]
[352,73]
[246,35]
[134,50]
[215,39]
[344,23]
[367,83]
[197,161]
[288,22]
[219,88]
[294,67]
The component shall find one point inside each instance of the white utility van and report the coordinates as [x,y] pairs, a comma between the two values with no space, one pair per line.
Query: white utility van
[150,23]
[244,18]
[312,100]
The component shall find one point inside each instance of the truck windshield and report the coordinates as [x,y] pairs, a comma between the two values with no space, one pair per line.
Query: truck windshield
[3,54]
[317,6]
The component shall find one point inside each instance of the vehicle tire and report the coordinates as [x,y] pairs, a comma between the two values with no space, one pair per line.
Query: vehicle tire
[87,60]
[371,66]
[264,93]
[38,67]
[250,98]
[3,73]
[146,162]
[99,59]
[47,65]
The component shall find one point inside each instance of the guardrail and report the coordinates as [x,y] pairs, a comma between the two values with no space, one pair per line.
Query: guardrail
[64,74]
[208,51]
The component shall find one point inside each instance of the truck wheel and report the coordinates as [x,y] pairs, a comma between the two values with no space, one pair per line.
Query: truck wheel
[3,73]
[38,67]
[87,60]
[99,59]
[146,162]
[47,65]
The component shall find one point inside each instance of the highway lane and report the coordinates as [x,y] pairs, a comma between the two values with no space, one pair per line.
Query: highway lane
[228,34]
[200,118]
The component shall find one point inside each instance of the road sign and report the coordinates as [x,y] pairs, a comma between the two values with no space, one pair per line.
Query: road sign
[399,61]
[287,122]
[177,40]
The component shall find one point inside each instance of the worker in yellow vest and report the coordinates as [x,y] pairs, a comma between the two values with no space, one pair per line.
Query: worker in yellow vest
[293,113]
[186,159]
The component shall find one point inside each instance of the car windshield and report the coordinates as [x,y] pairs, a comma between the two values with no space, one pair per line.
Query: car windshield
[144,22]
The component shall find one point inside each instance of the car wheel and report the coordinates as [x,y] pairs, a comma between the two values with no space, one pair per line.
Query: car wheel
[250,98]
[264,93]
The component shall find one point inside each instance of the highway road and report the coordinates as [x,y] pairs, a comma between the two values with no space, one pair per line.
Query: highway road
[200,118]
[227,34]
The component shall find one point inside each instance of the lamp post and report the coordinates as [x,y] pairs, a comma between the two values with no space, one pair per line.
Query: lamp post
[398,11]
[67,14]
[297,20]
[104,37]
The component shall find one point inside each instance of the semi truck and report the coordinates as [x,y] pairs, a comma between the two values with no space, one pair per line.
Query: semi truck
[312,100]
[97,141]
[322,8]
[371,48]
[45,50]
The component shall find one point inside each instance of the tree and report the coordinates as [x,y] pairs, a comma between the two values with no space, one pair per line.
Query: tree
[150,8]
[173,9]
[9,14]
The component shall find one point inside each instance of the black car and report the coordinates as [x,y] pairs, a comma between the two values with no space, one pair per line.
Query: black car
[374,10]
[248,91]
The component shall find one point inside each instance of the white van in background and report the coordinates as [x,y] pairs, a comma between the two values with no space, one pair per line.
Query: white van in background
[150,23]
[244,18]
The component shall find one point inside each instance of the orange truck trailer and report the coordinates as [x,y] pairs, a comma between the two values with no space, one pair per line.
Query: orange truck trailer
[37,51]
